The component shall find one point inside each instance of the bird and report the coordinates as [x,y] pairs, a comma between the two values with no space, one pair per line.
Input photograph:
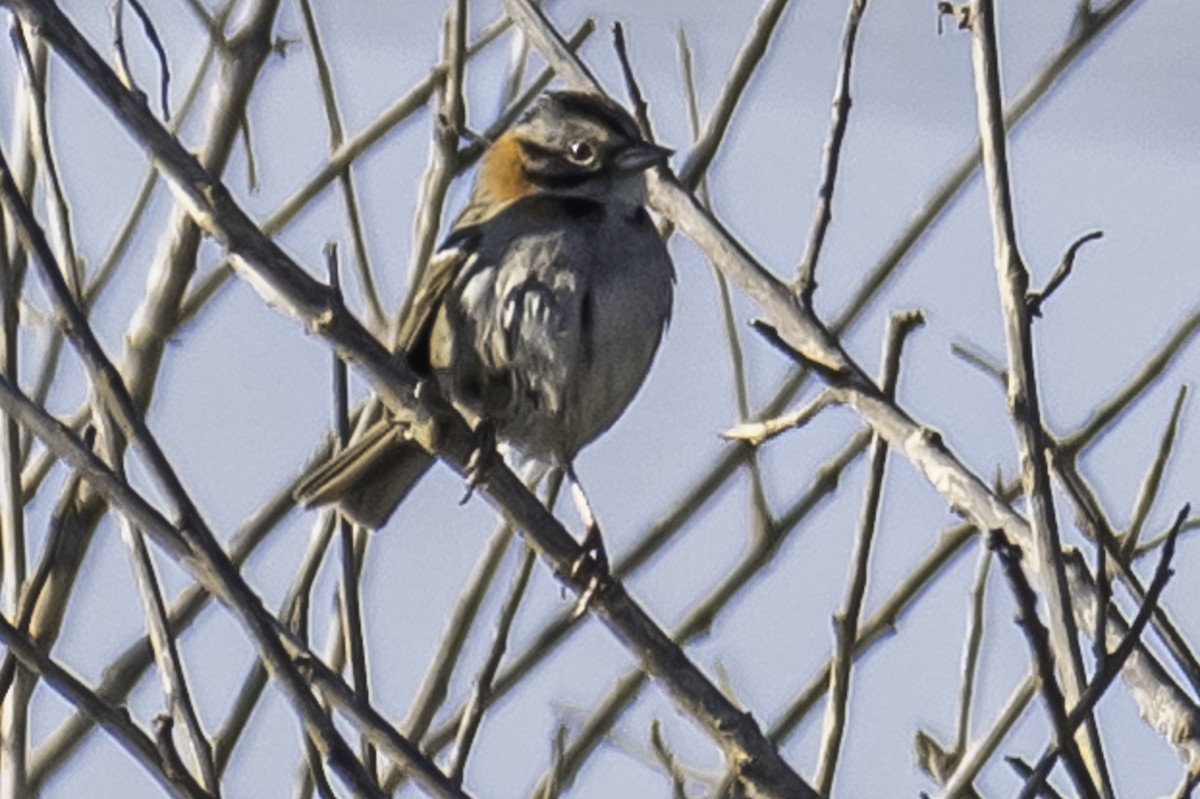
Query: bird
[540,314]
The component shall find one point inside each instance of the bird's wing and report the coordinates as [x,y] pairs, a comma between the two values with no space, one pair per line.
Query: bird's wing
[440,273]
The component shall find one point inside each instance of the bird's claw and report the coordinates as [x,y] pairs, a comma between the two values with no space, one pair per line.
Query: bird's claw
[481,460]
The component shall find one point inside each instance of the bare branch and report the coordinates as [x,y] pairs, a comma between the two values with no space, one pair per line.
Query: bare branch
[1023,401]
[845,623]
[744,66]
[640,109]
[1153,479]
[194,543]
[337,136]
[1025,771]
[1035,299]
[758,495]
[481,692]
[115,722]
[1043,658]
[443,156]
[971,650]
[352,624]
[164,68]
[977,755]
[758,433]
[1112,665]
[806,280]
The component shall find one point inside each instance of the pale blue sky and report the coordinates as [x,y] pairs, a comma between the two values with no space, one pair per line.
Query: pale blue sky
[244,392]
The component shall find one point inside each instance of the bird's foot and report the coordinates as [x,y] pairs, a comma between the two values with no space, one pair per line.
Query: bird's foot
[483,456]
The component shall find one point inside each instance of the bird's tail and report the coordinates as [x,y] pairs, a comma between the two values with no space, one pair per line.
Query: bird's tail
[369,479]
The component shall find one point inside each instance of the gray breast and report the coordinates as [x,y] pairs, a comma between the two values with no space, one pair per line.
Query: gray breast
[552,328]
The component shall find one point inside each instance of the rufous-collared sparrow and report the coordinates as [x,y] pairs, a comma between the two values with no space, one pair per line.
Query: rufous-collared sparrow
[540,314]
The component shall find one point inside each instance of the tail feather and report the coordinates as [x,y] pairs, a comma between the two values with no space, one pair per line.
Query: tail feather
[369,479]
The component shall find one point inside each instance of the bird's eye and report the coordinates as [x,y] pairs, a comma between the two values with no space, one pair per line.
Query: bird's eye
[581,152]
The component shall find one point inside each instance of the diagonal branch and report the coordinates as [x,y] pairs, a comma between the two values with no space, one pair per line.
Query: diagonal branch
[194,543]
[1043,658]
[806,280]
[116,722]
[846,622]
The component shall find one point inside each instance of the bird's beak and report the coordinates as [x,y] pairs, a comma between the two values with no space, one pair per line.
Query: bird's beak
[641,155]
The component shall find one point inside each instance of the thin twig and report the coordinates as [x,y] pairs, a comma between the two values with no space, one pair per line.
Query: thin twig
[971,650]
[1112,665]
[350,594]
[806,280]
[1190,781]
[641,111]
[166,652]
[116,12]
[845,623]
[1035,299]
[1146,547]
[979,753]
[459,623]
[744,66]
[448,125]
[1103,599]
[1025,771]
[14,722]
[758,433]
[60,211]
[1153,479]
[761,509]
[311,772]
[980,361]
[667,760]
[481,691]
[1103,418]
[1043,658]
[164,68]
[116,723]
[517,63]
[244,702]
[337,136]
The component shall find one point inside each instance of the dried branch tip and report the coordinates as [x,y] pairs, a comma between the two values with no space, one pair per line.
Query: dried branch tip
[1034,299]
[961,13]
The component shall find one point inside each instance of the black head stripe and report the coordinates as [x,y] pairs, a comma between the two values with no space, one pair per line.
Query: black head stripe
[599,109]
